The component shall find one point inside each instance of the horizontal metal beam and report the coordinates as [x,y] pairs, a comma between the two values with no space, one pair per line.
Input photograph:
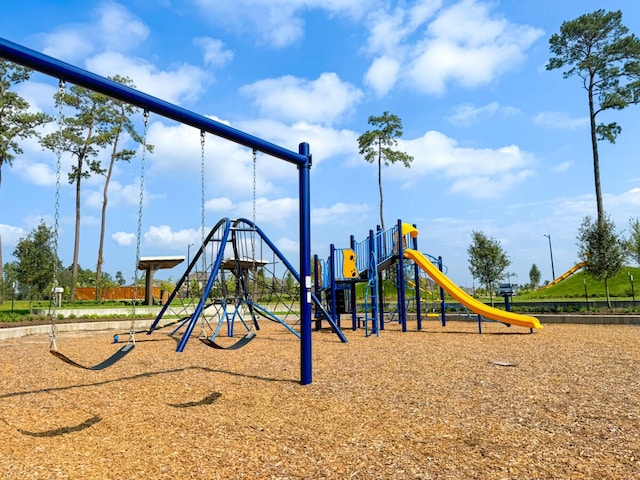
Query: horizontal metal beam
[69,73]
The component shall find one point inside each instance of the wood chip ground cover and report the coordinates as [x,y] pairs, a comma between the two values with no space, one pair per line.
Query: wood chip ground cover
[437,404]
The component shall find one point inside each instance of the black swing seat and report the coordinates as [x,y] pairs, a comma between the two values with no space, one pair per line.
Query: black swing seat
[119,355]
[239,344]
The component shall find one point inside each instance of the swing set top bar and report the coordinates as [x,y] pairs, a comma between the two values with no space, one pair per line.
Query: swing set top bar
[67,72]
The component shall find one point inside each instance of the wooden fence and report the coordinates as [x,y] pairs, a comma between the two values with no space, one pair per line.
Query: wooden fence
[115,293]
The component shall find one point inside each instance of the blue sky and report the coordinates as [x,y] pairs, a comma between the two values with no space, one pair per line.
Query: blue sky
[500,144]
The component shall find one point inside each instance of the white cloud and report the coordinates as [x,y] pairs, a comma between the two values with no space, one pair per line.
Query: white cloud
[563,167]
[290,98]
[214,51]
[228,166]
[11,235]
[467,114]
[184,83]
[112,27]
[163,237]
[382,74]
[324,141]
[278,211]
[478,173]
[338,213]
[40,174]
[123,239]
[465,43]
[119,194]
[104,43]
[276,23]
[560,120]
[222,204]
[286,245]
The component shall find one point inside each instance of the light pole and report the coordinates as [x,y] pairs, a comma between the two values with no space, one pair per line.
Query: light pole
[553,272]
[188,265]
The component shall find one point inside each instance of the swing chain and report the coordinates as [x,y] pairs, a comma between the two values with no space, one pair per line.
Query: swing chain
[202,193]
[56,221]
[253,232]
[145,117]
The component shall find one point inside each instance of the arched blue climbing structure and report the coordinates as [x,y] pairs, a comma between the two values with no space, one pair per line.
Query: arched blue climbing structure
[237,277]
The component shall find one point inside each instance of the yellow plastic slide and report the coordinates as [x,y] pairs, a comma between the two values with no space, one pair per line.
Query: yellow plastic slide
[467,300]
[566,274]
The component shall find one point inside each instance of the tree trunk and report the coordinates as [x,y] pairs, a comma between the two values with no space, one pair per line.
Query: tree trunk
[103,219]
[596,160]
[76,241]
[606,289]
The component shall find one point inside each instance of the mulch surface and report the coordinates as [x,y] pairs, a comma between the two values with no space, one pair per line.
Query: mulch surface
[443,403]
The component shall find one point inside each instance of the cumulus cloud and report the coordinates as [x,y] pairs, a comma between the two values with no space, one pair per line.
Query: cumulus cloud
[163,237]
[465,44]
[278,211]
[127,195]
[338,212]
[291,98]
[112,27]
[275,23]
[563,167]
[214,51]
[468,114]
[560,120]
[286,245]
[40,174]
[478,173]
[105,42]
[184,83]
[382,74]
[11,235]
[124,239]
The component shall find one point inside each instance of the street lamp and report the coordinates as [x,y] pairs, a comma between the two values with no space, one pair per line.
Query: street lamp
[553,272]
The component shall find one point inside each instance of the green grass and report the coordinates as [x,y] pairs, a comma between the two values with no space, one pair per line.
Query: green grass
[20,311]
[574,287]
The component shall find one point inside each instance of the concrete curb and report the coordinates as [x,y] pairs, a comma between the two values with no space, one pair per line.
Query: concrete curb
[121,325]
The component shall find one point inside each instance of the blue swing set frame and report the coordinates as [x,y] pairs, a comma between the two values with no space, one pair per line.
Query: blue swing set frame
[301,159]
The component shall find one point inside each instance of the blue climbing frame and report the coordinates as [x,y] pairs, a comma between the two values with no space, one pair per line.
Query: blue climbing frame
[302,159]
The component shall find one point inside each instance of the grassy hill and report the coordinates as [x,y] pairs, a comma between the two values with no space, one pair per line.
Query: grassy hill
[574,286]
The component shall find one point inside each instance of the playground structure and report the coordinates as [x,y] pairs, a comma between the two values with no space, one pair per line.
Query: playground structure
[566,274]
[382,250]
[232,284]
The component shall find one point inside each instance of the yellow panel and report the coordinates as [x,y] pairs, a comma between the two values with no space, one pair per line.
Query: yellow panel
[349,269]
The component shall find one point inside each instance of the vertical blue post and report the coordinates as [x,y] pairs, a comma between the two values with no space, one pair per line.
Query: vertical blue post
[354,312]
[332,276]
[373,278]
[416,274]
[317,289]
[381,254]
[402,297]
[306,357]
[443,309]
